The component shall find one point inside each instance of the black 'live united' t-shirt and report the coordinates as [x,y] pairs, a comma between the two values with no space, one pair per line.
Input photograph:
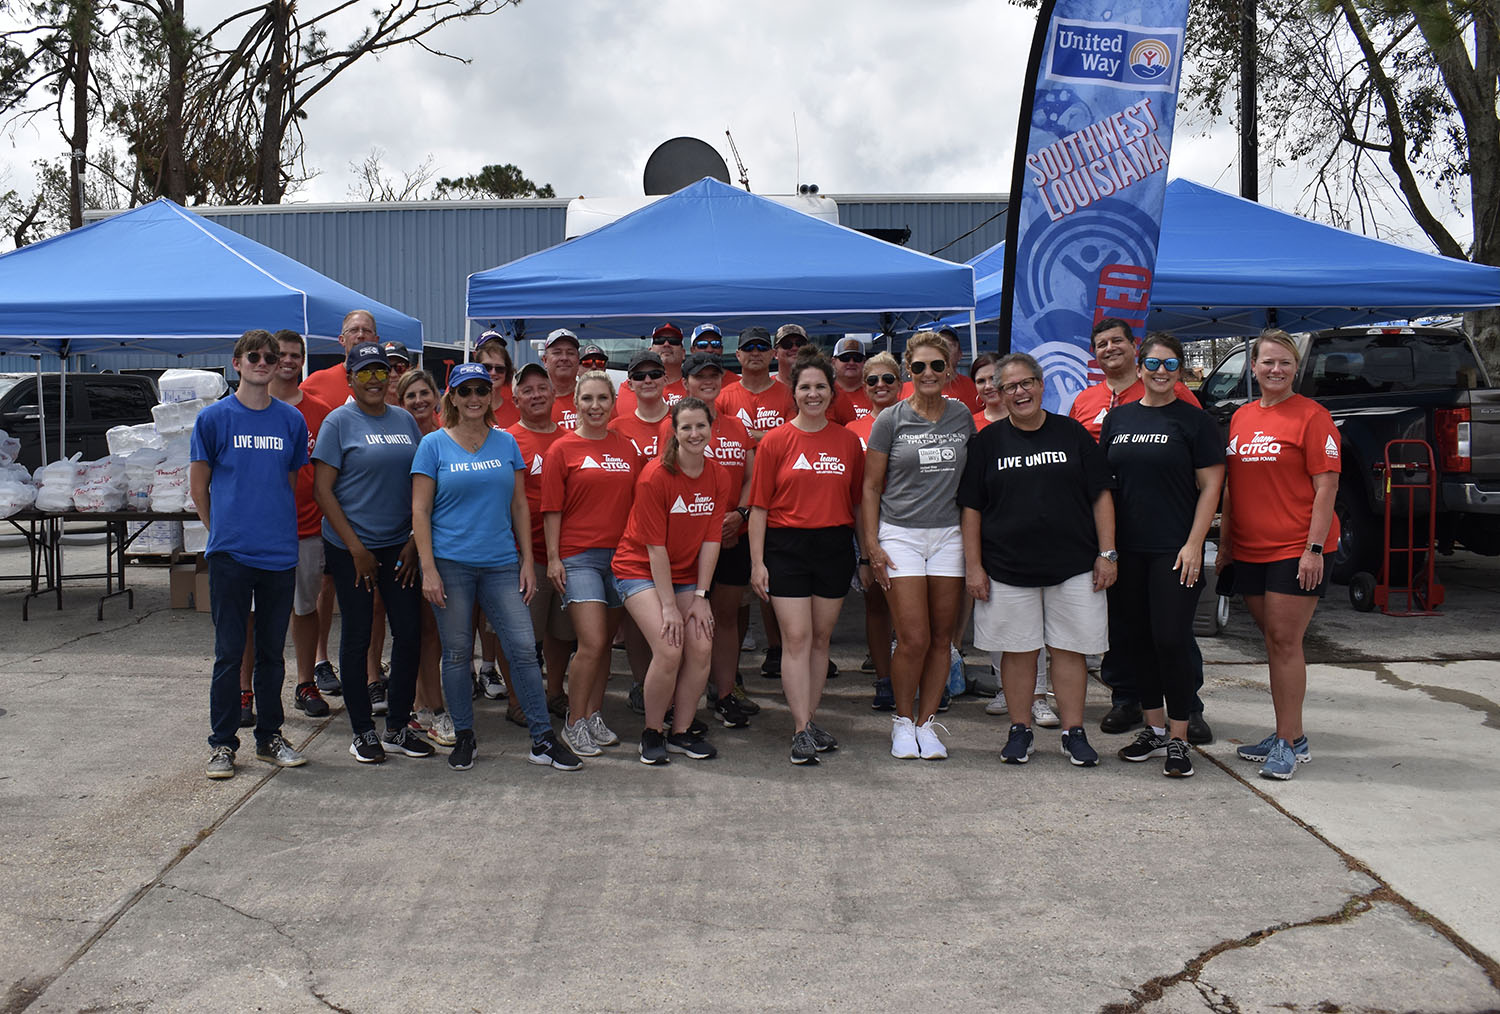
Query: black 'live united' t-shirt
[1035,494]
[1154,452]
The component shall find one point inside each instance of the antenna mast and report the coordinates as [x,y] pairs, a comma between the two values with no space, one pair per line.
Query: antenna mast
[739,163]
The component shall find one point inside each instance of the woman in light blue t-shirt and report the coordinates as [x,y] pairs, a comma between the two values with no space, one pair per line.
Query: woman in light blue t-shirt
[467,506]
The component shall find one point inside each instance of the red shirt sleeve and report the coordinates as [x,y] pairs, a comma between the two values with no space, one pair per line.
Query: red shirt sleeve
[1320,441]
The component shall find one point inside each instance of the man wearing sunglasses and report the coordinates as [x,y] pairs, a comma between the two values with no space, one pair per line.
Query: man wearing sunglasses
[708,340]
[790,338]
[246,451]
[1114,346]
[757,401]
[592,357]
[667,345]
[331,386]
[849,396]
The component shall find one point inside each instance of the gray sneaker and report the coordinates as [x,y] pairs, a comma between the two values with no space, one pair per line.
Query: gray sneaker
[579,739]
[492,683]
[221,762]
[804,750]
[602,734]
[822,739]
[279,752]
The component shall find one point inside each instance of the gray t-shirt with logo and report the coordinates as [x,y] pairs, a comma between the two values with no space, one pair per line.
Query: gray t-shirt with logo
[926,460]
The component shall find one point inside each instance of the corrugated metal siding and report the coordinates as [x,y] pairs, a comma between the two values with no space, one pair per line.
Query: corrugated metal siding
[954,230]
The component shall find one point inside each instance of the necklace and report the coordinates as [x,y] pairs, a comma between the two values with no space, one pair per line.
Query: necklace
[468,441]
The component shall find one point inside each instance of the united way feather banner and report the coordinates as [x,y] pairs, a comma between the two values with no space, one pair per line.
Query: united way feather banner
[1090,177]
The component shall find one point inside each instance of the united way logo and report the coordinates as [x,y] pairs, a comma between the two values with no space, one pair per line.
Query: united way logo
[1150,59]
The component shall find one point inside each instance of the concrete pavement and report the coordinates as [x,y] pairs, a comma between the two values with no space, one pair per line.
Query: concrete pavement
[1368,882]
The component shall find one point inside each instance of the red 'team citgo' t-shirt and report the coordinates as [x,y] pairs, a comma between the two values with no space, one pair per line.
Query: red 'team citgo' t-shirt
[591,483]
[859,399]
[534,448]
[675,511]
[1093,403]
[309,514]
[1272,456]
[861,428]
[729,444]
[760,411]
[644,436]
[808,480]
[563,412]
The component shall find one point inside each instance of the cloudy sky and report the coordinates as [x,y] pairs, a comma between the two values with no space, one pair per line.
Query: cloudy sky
[873,96]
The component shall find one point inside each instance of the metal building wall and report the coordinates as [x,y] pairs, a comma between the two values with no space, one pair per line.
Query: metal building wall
[954,227]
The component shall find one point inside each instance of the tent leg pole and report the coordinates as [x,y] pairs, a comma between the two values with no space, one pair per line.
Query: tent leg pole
[41,408]
[973,338]
[62,407]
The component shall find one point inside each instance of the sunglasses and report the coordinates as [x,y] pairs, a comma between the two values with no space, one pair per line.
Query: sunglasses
[371,374]
[256,358]
[880,378]
[1020,385]
[472,390]
[717,344]
[1154,363]
[499,368]
[600,361]
[850,357]
[938,366]
[756,347]
[667,340]
[791,343]
[648,375]
[399,367]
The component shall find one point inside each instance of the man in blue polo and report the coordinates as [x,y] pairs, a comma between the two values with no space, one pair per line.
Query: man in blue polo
[246,451]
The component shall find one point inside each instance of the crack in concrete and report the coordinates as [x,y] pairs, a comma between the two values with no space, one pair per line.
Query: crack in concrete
[1445,695]
[134,621]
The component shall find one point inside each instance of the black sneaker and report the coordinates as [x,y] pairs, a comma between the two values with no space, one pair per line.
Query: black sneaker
[1121,718]
[310,701]
[1018,745]
[1147,744]
[1075,746]
[946,701]
[687,745]
[804,750]
[247,708]
[327,679]
[771,667]
[868,665]
[461,758]
[366,748]
[695,728]
[822,739]
[378,705]
[549,752]
[404,741]
[730,713]
[747,703]
[653,749]
[635,699]
[1198,731]
[1179,762]
[885,697]
[833,670]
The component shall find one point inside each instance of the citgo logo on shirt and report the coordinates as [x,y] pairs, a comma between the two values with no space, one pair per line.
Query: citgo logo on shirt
[827,464]
[765,418]
[1260,447]
[648,451]
[608,462]
[536,465]
[726,450]
[1331,448]
[702,504]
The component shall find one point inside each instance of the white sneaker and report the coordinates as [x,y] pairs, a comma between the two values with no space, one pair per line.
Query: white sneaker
[997,705]
[601,733]
[928,743]
[579,740]
[1043,715]
[904,739]
[492,683]
[440,730]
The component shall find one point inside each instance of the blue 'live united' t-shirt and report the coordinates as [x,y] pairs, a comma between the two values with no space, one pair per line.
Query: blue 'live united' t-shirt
[373,454]
[253,454]
[471,506]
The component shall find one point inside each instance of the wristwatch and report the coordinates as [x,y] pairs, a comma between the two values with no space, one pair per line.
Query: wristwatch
[743,512]
[702,593]
[1314,547]
[1111,555]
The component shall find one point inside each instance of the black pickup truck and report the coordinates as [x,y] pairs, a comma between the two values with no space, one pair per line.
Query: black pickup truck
[97,402]
[1383,384]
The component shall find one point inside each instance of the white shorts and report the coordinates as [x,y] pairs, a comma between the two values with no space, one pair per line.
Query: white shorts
[923,552]
[309,575]
[1070,616]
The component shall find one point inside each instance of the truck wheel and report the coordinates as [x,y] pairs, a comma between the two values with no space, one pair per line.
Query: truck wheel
[1362,592]
[1359,547]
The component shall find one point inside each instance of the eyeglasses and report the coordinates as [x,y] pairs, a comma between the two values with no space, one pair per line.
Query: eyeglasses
[1154,363]
[791,342]
[938,366]
[256,358]
[880,378]
[471,390]
[850,357]
[717,344]
[370,374]
[648,375]
[668,340]
[359,330]
[1020,385]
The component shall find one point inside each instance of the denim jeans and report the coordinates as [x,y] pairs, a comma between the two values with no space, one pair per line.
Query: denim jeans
[231,588]
[498,591]
[357,610]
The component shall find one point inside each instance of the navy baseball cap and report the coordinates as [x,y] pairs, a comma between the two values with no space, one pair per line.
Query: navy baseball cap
[698,362]
[396,350]
[490,336]
[366,354]
[644,358]
[469,371]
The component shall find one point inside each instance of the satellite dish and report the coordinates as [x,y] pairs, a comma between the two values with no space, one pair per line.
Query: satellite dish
[683,160]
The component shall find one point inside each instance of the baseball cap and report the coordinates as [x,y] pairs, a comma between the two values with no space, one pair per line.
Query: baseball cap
[644,358]
[469,371]
[710,329]
[755,335]
[490,336]
[528,370]
[946,329]
[364,354]
[667,328]
[592,350]
[846,345]
[790,331]
[562,334]
[396,350]
[698,362]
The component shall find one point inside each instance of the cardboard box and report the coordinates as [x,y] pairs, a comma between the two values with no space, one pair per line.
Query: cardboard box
[200,591]
[184,581]
[155,538]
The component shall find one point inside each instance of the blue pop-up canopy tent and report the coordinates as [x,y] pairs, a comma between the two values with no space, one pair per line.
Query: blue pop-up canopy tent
[162,279]
[712,252]
[1228,266]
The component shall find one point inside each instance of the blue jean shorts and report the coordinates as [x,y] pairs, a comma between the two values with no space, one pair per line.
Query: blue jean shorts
[634,586]
[590,579]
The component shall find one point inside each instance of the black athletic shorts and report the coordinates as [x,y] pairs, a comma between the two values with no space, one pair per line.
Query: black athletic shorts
[734,563]
[1277,576]
[804,562]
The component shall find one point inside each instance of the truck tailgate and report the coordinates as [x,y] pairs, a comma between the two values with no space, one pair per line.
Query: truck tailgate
[1484,435]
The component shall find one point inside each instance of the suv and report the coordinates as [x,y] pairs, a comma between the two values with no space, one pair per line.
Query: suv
[97,402]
